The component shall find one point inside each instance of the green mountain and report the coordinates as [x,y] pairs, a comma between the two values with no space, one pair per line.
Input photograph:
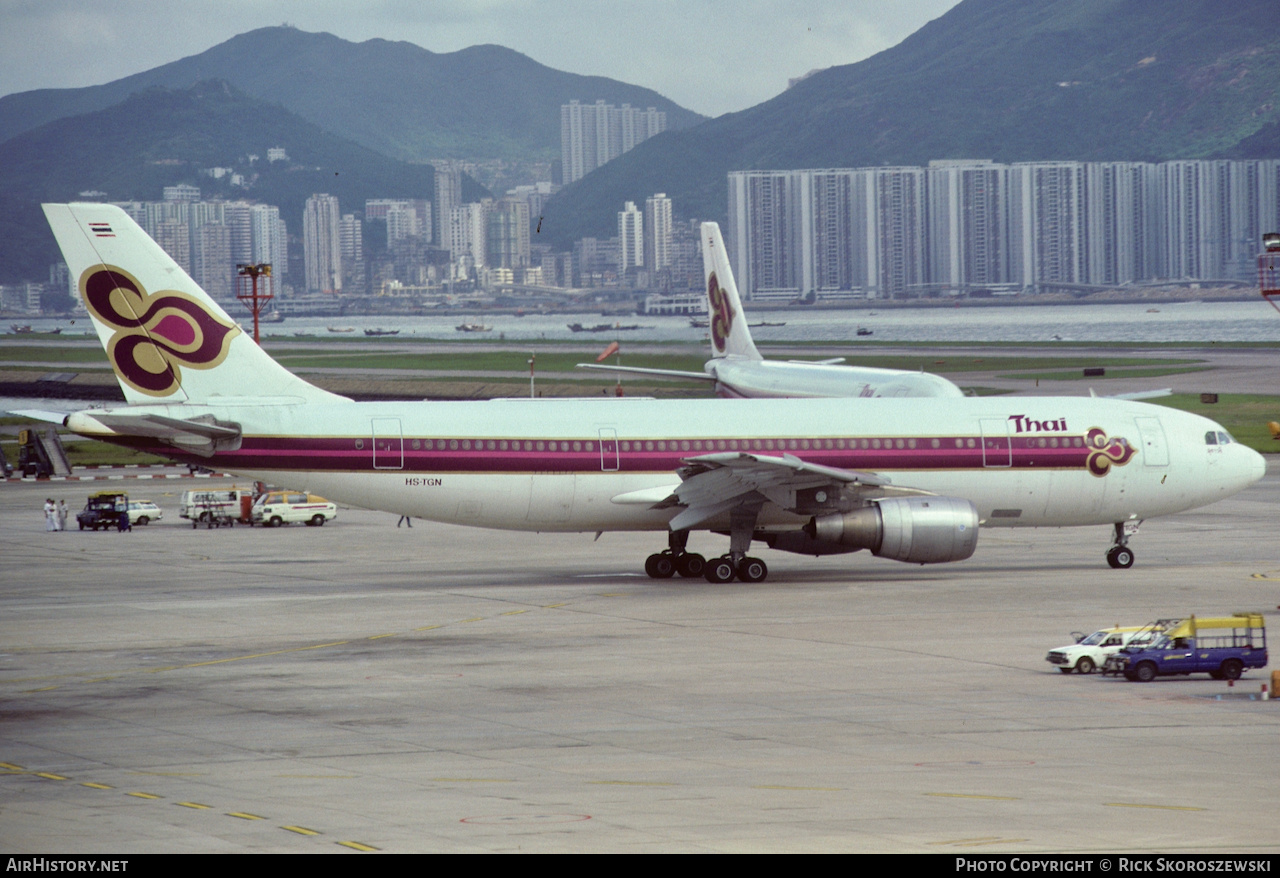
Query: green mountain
[394,97]
[1010,80]
[160,137]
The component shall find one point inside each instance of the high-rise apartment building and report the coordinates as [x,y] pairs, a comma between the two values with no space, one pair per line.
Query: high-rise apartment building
[977,225]
[592,134]
[630,238]
[448,197]
[321,246]
[657,232]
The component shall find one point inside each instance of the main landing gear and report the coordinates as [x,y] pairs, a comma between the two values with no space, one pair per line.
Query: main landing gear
[664,565]
[1120,556]
[742,524]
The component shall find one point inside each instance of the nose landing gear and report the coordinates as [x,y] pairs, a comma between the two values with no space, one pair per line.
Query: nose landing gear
[1120,556]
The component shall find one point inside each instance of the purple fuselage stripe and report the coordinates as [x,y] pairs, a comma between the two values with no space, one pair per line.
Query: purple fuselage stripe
[341,454]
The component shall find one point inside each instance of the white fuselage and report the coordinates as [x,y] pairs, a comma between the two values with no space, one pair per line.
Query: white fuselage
[763,379]
[562,465]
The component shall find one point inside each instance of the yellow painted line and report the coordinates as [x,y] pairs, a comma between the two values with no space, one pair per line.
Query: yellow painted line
[476,619]
[195,805]
[631,783]
[301,830]
[168,773]
[96,786]
[167,668]
[47,776]
[380,636]
[515,612]
[242,658]
[355,845]
[144,795]
[1262,576]
[472,780]
[553,606]
[967,796]
[320,776]
[243,816]
[798,789]
[428,628]
[11,766]
[1155,807]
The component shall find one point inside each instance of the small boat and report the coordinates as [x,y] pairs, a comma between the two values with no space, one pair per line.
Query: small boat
[862,330]
[377,332]
[20,330]
[341,328]
[473,327]
[605,327]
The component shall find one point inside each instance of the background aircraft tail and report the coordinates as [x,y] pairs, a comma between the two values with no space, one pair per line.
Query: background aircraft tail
[167,340]
[729,334]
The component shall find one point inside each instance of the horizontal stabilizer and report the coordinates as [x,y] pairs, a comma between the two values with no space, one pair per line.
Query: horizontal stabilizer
[40,415]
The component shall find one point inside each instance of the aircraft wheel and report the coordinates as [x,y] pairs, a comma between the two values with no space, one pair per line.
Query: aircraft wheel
[1232,669]
[691,565]
[752,570]
[719,570]
[1120,557]
[1145,672]
[660,566]
[1085,665]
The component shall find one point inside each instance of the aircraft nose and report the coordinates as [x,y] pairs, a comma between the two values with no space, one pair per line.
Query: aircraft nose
[1255,466]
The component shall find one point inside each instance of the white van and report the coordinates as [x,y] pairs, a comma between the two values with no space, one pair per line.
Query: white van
[203,505]
[282,507]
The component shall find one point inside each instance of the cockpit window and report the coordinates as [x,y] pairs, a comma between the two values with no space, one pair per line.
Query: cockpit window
[1211,438]
[1224,438]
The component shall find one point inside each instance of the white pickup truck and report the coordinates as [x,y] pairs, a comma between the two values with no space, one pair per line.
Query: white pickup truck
[1090,653]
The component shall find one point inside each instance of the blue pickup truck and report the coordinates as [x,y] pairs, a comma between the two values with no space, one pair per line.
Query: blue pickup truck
[1222,647]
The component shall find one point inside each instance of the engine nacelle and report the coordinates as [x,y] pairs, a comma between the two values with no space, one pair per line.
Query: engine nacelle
[919,530]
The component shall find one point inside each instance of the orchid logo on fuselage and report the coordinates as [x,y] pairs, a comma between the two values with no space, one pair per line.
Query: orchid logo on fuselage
[156,333]
[1106,452]
[721,313]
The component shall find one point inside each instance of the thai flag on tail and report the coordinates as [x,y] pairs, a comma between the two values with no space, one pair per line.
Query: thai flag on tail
[101,230]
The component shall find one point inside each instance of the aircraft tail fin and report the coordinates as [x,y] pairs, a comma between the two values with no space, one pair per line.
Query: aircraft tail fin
[729,334]
[167,340]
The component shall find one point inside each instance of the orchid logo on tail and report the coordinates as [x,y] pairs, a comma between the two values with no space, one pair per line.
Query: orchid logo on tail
[157,334]
[721,313]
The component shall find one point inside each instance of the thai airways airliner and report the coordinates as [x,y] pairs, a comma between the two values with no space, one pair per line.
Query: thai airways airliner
[737,368]
[903,480]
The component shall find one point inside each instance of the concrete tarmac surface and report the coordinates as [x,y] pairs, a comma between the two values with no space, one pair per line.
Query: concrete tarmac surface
[367,687]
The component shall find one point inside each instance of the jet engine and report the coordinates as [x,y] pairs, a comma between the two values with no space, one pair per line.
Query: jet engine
[919,530]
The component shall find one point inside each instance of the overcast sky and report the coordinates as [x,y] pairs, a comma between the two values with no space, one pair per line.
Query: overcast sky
[711,56]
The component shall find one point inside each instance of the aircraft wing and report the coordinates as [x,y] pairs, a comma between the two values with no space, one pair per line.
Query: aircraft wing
[640,370]
[717,483]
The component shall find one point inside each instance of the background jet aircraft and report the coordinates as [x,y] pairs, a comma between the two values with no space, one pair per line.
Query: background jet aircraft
[739,370]
[906,482]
